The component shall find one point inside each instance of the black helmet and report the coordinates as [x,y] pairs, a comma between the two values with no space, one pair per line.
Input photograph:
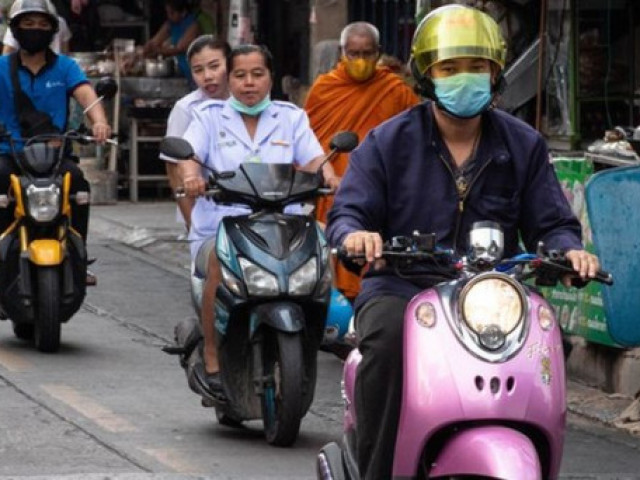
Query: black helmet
[22,7]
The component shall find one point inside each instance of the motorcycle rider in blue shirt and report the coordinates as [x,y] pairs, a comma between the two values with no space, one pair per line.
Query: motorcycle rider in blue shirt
[48,80]
[438,168]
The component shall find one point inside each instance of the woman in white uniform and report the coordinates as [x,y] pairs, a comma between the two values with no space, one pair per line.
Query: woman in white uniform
[248,127]
[207,59]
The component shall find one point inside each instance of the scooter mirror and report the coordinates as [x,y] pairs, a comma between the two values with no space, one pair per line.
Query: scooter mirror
[344,142]
[176,147]
[106,88]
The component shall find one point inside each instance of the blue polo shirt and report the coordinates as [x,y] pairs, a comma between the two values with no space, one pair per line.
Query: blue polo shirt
[49,90]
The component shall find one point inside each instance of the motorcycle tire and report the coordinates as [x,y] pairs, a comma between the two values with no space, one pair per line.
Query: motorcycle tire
[23,331]
[47,323]
[282,400]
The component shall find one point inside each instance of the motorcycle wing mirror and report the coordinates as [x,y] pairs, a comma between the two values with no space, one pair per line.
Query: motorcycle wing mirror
[344,142]
[176,147]
[106,88]
[341,142]
[179,149]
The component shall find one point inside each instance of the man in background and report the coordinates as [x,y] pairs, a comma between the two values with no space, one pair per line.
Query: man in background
[357,95]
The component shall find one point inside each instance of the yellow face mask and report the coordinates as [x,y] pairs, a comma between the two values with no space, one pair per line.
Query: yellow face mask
[360,69]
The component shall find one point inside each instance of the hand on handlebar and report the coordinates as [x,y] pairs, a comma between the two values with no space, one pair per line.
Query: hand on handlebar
[193,186]
[362,242]
[101,132]
[333,182]
[584,263]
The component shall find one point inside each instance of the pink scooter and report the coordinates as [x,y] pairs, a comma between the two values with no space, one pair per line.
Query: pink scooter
[484,378]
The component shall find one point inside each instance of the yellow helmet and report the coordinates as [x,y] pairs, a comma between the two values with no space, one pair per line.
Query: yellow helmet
[455,31]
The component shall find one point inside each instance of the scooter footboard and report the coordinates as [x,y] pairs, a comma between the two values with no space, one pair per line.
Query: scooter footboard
[496,452]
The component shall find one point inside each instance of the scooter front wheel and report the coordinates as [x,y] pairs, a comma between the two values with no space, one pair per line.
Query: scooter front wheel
[47,322]
[283,364]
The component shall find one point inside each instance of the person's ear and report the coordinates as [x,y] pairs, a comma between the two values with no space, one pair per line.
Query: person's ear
[498,82]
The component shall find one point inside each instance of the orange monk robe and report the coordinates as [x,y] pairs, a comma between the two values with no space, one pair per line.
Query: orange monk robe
[336,103]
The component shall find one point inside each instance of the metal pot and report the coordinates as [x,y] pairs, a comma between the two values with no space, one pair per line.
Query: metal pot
[158,67]
[87,61]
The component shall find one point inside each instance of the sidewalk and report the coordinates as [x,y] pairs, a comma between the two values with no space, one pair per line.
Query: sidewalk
[152,228]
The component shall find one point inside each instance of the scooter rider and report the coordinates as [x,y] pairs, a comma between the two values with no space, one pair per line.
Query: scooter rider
[248,127]
[439,167]
[47,80]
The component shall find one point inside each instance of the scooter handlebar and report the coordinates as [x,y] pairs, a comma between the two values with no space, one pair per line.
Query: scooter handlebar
[556,264]
[211,193]
[549,268]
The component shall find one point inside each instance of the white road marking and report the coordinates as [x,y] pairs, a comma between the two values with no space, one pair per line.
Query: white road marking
[13,362]
[91,409]
[171,458]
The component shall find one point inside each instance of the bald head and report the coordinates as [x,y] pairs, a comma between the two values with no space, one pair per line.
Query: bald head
[360,29]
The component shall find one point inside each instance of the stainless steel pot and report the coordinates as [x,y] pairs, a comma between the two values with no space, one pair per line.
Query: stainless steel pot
[87,61]
[158,67]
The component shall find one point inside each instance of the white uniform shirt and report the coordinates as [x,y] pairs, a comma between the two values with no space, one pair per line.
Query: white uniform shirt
[179,119]
[181,116]
[220,139]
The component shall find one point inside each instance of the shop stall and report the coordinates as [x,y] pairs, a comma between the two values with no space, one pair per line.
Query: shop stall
[147,89]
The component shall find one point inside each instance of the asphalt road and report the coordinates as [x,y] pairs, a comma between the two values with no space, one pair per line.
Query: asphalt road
[112,405]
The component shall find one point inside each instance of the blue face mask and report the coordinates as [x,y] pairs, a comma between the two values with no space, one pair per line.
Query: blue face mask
[254,110]
[464,95]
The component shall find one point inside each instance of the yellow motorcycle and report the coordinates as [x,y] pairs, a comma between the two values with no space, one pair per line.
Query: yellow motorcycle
[43,259]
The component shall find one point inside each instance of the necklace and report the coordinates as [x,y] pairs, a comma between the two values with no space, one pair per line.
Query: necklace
[463,171]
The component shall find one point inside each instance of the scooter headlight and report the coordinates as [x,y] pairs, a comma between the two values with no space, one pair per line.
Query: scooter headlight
[492,307]
[232,282]
[259,282]
[303,280]
[43,202]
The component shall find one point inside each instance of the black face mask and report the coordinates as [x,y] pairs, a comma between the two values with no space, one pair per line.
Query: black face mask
[33,40]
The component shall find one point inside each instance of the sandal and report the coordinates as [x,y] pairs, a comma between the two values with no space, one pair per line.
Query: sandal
[210,384]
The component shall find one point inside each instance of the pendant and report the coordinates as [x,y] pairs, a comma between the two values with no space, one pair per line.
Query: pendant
[461,185]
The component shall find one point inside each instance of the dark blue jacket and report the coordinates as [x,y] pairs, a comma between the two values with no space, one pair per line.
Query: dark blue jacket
[398,181]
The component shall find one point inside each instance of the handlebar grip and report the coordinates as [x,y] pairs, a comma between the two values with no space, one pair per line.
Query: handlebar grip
[343,254]
[604,277]
[563,266]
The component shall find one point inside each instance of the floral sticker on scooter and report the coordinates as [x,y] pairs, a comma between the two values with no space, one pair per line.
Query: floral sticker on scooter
[545,375]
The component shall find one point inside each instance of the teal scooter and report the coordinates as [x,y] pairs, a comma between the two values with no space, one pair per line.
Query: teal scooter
[271,306]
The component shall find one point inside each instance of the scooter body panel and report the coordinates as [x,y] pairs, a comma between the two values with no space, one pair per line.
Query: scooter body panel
[448,386]
[280,244]
[494,451]
[46,252]
[442,390]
